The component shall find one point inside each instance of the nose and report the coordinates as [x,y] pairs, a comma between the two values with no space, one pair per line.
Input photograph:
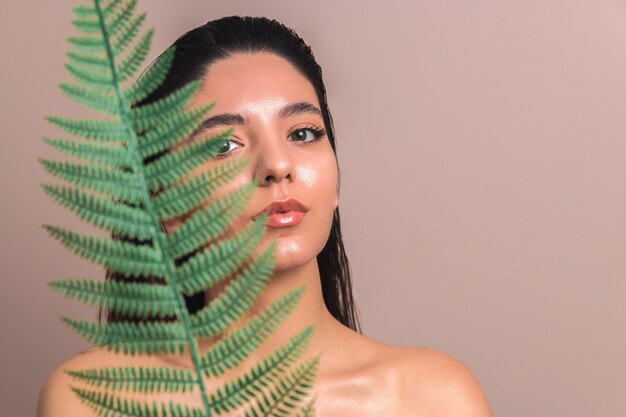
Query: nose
[274,162]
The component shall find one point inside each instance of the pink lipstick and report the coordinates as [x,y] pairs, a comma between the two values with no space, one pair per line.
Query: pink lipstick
[285,213]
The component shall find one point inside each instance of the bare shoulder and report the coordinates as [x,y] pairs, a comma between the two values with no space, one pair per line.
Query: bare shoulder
[439,384]
[56,397]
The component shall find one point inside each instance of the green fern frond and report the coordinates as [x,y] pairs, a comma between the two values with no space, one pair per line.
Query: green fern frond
[111,405]
[250,385]
[123,257]
[135,59]
[84,11]
[189,193]
[235,299]
[116,183]
[119,218]
[176,164]
[135,299]
[132,338]
[102,130]
[289,392]
[151,79]
[209,223]
[87,59]
[231,350]
[165,135]
[125,33]
[308,410]
[140,379]
[116,16]
[116,189]
[115,156]
[91,98]
[218,261]
[147,116]
[95,78]
[86,26]
[88,43]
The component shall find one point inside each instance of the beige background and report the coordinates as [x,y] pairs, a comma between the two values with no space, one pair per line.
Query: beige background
[482,146]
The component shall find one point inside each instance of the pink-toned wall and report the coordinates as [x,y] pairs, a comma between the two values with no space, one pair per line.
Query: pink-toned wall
[482,147]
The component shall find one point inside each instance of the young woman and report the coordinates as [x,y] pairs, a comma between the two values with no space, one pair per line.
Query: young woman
[268,87]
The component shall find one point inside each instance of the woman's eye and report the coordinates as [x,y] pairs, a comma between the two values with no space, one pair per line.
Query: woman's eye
[303,135]
[224,147]
[300,135]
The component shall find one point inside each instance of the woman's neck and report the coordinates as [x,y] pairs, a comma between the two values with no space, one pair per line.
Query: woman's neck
[309,311]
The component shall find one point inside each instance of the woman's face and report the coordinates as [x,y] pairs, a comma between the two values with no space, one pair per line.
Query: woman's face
[287,157]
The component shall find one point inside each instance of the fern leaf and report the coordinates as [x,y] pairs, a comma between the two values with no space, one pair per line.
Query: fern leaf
[113,406]
[119,184]
[91,77]
[86,25]
[88,59]
[218,261]
[109,9]
[126,33]
[114,156]
[87,43]
[136,57]
[169,132]
[92,99]
[191,192]
[235,300]
[176,164]
[308,410]
[119,256]
[102,130]
[209,223]
[84,11]
[115,17]
[132,338]
[139,379]
[115,192]
[89,12]
[147,116]
[152,78]
[235,393]
[289,392]
[119,218]
[136,299]
[231,350]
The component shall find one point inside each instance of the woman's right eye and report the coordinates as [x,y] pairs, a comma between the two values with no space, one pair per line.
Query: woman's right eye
[224,148]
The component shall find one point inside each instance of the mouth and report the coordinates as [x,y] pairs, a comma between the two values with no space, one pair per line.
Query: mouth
[285,213]
[290,218]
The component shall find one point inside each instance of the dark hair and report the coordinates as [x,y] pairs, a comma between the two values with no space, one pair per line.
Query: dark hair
[219,39]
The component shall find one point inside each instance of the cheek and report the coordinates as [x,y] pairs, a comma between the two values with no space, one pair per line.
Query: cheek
[318,179]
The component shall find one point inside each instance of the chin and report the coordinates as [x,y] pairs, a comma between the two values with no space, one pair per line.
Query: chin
[291,251]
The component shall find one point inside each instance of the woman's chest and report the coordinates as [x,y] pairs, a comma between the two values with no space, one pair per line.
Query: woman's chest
[367,394]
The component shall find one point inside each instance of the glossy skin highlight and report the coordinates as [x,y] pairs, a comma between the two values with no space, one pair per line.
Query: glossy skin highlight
[358,376]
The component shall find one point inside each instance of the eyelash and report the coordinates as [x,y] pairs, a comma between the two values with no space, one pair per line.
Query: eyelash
[317,135]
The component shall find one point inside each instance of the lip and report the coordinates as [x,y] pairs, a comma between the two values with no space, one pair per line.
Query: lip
[285,213]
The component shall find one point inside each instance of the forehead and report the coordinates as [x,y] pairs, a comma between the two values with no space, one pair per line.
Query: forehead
[252,83]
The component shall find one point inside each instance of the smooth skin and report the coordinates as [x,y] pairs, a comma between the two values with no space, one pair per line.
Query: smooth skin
[358,376]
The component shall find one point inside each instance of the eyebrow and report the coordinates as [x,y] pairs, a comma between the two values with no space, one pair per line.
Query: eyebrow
[225,119]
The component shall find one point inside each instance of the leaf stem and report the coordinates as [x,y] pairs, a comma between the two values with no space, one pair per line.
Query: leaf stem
[159,240]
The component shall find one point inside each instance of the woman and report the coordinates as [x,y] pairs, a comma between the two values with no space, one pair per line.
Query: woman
[268,87]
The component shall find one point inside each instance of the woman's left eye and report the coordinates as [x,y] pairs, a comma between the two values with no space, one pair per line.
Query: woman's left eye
[300,135]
